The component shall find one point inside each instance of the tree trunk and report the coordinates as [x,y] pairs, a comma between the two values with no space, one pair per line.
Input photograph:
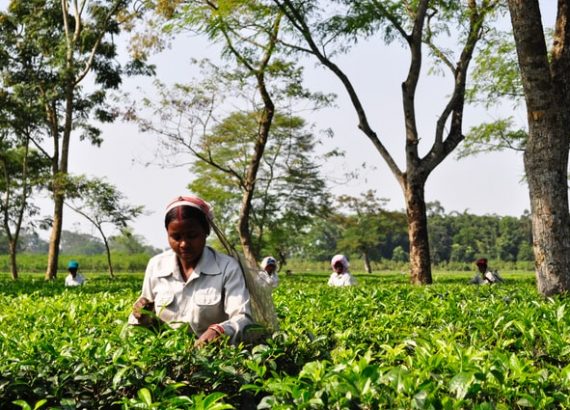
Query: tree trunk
[13,264]
[244,230]
[60,171]
[367,266]
[108,251]
[547,94]
[547,180]
[55,237]
[420,264]
[265,121]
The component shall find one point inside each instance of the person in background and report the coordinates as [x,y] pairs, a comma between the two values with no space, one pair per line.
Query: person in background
[74,278]
[192,283]
[340,276]
[485,275]
[269,273]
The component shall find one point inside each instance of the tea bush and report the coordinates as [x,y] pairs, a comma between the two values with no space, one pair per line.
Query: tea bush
[382,344]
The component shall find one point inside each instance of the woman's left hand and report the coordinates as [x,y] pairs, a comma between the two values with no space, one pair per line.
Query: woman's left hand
[206,337]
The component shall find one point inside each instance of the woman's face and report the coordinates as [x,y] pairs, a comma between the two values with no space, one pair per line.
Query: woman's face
[338,267]
[187,238]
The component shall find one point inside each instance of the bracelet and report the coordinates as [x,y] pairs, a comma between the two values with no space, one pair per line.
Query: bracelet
[217,328]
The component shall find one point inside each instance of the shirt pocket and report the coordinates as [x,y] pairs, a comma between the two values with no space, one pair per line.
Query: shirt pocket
[208,296]
[164,306]
[163,299]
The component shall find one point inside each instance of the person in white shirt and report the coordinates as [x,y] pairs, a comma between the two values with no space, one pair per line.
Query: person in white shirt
[268,275]
[485,275]
[192,283]
[74,278]
[340,276]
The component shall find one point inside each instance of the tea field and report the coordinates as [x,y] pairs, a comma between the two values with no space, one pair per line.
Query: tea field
[382,344]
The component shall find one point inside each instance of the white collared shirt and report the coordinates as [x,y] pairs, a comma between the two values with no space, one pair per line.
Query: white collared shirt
[214,293]
[77,281]
[269,280]
[343,279]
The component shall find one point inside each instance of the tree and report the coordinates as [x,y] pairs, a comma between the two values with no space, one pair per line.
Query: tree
[248,35]
[290,191]
[546,83]
[320,240]
[439,229]
[101,203]
[364,227]
[510,238]
[129,243]
[20,172]
[417,24]
[49,48]
[22,167]
[31,242]
[76,243]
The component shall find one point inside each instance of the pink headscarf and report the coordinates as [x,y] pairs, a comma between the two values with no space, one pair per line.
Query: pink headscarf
[193,201]
[342,259]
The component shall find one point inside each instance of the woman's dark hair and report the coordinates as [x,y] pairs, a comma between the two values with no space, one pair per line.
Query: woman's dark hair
[187,212]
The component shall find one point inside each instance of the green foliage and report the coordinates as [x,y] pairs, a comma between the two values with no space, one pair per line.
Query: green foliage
[80,243]
[290,192]
[368,228]
[493,137]
[382,344]
[129,243]
[48,64]
[100,202]
[496,77]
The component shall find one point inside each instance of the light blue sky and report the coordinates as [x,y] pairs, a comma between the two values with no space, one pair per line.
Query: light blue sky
[484,184]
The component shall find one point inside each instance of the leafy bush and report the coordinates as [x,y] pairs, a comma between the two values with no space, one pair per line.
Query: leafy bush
[382,344]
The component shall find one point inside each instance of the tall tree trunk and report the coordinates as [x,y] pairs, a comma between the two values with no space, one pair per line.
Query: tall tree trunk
[420,261]
[265,120]
[547,181]
[60,172]
[547,94]
[367,266]
[13,263]
[244,231]
[55,237]
[108,251]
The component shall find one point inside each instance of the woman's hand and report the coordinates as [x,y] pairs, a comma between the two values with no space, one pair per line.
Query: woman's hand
[206,337]
[141,310]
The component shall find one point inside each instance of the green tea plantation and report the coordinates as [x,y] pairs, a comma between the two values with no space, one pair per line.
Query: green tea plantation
[383,344]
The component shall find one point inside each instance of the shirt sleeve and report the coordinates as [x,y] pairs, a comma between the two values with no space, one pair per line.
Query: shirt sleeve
[351,280]
[490,277]
[274,280]
[268,280]
[236,303]
[264,277]
[331,280]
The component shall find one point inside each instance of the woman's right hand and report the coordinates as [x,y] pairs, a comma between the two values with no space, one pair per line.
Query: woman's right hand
[141,310]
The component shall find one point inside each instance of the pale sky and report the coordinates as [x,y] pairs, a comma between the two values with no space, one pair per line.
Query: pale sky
[485,184]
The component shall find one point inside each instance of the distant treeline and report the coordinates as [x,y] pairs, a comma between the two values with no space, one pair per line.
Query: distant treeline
[78,243]
[456,240]
[36,263]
